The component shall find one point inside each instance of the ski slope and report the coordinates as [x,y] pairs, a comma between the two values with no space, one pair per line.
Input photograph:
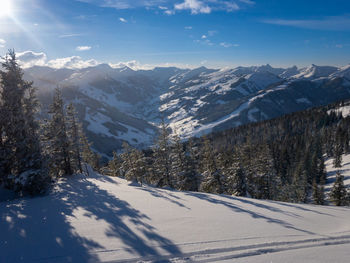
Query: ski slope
[104,219]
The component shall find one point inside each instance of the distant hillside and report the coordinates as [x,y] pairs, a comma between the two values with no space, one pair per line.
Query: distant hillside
[120,104]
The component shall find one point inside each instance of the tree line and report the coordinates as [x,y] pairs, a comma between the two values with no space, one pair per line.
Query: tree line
[281,159]
[33,153]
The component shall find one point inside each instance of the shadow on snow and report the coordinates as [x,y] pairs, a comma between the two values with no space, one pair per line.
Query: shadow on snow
[38,229]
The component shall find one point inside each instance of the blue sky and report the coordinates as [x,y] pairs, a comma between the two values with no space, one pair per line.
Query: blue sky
[145,33]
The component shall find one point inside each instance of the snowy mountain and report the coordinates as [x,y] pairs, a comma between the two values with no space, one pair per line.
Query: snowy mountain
[103,219]
[121,104]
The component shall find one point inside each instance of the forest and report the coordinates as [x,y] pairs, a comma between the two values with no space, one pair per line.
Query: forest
[279,159]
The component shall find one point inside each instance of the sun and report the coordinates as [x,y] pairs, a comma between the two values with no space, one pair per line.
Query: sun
[5,8]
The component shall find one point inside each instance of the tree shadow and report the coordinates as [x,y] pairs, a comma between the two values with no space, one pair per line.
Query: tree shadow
[166,195]
[300,207]
[333,175]
[253,214]
[38,229]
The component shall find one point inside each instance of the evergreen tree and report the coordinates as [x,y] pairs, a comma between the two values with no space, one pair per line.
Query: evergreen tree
[57,139]
[338,193]
[240,185]
[337,155]
[21,162]
[182,168]
[212,177]
[88,156]
[162,161]
[317,193]
[134,164]
[114,165]
[74,131]
[299,185]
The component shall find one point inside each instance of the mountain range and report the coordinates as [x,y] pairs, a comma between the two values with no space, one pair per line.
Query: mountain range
[122,104]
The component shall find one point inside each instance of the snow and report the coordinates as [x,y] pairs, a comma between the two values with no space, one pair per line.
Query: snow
[345,110]
[96,125]
[109,99]
[332,172]
[104,219]
[314,71]
[96,121]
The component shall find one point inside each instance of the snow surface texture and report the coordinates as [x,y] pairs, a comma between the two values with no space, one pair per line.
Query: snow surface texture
[104,219]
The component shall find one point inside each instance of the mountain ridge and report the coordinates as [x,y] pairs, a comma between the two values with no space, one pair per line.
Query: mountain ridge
[122,104]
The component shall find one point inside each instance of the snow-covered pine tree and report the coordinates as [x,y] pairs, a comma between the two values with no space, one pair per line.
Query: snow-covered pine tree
[338,192]
[139,166]
[162,165]
[212,177]
[88,156]
[22,164]
[57,139]
[338,148]
[133,164]
[74,131]
[337,155]
[317,193]
[114,165]
[182,169]
[126,161]
[299,184]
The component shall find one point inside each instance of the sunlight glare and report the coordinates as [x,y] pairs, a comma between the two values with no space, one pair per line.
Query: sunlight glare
[5,8]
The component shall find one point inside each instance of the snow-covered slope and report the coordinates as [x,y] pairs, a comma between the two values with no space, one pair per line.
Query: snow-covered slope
[332,172]
[103,219]
[121,104]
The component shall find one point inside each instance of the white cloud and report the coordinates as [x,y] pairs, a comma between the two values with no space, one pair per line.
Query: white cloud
[169,12]
[123,20]
[195,6]
[82,48]
[230,6]
[249,2]
[226,45]
[29,59]
[333,23]
[69,35]
[74,62]
[133,64]
[2,42]
[170,6]
[211,33]
[204,37]
[188,27]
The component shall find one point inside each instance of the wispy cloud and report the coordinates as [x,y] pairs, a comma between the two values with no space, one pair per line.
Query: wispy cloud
[83,48]
[2,42]
[227,45]
[188,27]
[70,35]
[123,20]
[332,23]
[170,7]
[249,2]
